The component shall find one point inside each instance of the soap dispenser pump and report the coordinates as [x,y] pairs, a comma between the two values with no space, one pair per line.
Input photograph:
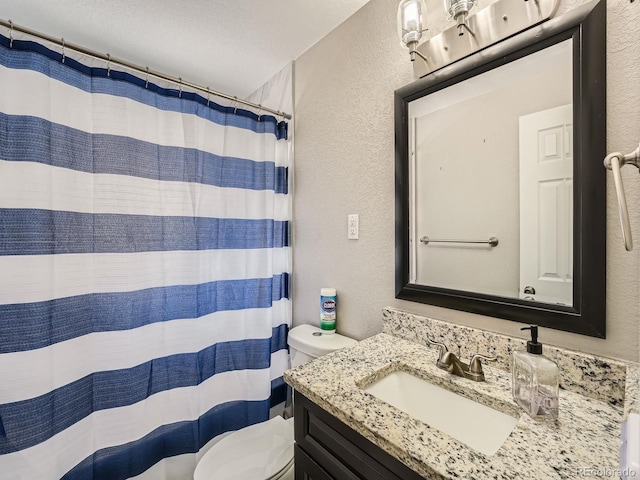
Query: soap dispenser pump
[535,379]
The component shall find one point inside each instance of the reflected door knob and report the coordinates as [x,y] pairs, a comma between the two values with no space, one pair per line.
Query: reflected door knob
[529,290]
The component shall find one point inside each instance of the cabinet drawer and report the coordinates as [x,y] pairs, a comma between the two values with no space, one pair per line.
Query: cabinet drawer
[307,468]
[342,452]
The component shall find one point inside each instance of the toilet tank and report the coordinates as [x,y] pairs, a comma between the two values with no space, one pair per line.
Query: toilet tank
[307,342]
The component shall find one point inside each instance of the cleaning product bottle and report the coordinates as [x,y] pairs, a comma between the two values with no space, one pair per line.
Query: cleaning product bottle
[535,379]
[328,310]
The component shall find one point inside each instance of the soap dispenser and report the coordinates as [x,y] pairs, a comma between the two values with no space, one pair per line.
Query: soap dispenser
[535,379]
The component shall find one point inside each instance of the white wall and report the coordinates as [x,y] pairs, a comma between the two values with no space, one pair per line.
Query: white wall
[345,164]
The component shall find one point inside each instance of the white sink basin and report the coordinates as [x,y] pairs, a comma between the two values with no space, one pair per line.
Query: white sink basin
[474,424]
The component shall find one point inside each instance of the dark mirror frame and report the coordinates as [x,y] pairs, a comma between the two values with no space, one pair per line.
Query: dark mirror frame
[586,26]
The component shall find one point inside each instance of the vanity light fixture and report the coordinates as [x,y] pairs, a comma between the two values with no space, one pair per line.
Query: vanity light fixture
[411,15]
[496,22]
[458,10]
[410,25]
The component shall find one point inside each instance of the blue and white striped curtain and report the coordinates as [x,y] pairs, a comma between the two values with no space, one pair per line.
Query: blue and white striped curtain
[144,269]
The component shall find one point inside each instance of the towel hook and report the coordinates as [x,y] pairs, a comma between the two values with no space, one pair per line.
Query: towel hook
[614,162]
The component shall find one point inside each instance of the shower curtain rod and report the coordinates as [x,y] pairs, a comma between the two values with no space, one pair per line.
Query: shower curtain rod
[112,60]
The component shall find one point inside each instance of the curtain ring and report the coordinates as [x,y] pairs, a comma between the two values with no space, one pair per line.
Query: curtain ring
[146,78]
[63,56]
[180,88]
[259,112]
[108,65]
[208,96]
[235,105]
[11,34]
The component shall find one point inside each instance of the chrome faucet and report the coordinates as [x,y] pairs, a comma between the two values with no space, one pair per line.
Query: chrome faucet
[448,361]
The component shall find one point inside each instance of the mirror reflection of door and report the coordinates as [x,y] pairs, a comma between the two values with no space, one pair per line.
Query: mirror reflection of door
[546,206]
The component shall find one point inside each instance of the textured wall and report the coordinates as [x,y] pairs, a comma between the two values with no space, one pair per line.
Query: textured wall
[345,164]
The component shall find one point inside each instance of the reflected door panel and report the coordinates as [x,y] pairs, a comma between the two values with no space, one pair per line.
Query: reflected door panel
[546,208]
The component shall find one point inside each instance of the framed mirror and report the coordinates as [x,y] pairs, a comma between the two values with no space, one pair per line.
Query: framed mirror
[500,188]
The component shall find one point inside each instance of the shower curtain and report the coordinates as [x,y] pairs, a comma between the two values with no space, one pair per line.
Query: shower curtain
[144,268]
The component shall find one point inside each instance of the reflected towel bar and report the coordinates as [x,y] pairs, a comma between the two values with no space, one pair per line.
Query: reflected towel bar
[493,241]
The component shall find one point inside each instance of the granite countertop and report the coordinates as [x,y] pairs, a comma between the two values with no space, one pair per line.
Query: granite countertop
[583,442]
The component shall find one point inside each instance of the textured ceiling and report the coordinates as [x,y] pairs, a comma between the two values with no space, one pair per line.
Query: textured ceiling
[233,46]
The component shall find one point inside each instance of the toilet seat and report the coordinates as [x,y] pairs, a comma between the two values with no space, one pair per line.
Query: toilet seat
[263,451]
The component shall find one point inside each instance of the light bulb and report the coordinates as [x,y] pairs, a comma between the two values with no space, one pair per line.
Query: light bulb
[410,20]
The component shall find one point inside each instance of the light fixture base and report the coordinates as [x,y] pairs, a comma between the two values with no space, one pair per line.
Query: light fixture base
[488,26]
[413,52]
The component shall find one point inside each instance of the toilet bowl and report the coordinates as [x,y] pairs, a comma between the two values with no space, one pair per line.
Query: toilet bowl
[264,451]
[260,451]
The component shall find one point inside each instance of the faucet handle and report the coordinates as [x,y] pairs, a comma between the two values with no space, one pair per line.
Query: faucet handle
[442,348]
[475,366]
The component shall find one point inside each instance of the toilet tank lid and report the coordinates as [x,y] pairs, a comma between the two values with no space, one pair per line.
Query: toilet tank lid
[259,451]
[314,342]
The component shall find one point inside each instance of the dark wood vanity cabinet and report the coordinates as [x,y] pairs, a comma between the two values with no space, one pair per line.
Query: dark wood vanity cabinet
[327,449]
